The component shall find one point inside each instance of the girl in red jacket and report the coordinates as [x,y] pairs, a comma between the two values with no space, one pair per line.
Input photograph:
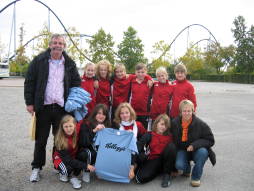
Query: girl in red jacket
[183,90]
[160,153]
[103,74]
[120,87]
[64,156]
[161,94]
[87,84]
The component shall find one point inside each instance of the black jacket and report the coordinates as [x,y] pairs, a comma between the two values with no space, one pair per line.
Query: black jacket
[86,135]
[37,77]
[199,135]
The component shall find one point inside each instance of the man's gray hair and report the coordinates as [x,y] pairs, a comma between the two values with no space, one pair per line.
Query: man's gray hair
[53,36]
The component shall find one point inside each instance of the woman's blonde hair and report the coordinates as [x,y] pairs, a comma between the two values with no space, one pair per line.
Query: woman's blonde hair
[166,119]
[118,111]
[180,68]
[121,66]
[184,103]
[88,64]
[161,69]
[61,141]
[105,63]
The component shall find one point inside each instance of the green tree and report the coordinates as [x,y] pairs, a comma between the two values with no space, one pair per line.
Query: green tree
[130,50]
[42,40]
[212,57]
[76,54]
[228,56]
[219,58]
[158,49]
[101,47]
[244,46]
[20,62]
[193,59]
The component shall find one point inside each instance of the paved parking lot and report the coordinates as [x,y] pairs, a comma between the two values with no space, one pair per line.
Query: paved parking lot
[228,108]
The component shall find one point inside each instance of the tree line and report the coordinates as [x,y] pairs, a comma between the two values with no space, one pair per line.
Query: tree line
[215,59]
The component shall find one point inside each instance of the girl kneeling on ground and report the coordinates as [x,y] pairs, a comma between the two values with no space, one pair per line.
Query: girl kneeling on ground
[161,155]
[64,156]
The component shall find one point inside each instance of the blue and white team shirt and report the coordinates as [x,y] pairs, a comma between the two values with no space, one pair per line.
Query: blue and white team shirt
[113,159]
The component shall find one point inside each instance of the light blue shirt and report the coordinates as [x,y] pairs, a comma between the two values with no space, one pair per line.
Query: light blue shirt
[113,159]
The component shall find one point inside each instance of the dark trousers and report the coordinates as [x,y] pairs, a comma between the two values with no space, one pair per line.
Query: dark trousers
[144,120]
[49,115]
[68,170]
[88,155]
[150,168]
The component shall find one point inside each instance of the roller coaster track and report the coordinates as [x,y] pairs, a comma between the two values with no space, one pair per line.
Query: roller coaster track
[187,27]
[68,34]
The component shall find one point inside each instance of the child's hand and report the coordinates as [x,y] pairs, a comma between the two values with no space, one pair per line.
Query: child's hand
[131,173]
[150,83]
[96,84]
[90,168]
[98,128]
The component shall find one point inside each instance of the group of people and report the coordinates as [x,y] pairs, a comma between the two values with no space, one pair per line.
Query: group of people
[160,115]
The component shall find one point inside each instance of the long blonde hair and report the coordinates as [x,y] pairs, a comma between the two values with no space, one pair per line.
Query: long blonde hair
[61,141]
[107,64]
[118,111]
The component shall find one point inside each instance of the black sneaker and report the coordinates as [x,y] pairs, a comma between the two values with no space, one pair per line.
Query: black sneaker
[165,181]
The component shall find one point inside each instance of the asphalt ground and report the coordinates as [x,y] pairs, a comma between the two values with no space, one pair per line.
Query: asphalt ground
[228,108]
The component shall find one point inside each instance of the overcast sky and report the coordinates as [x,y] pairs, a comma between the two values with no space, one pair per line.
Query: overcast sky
[154,20]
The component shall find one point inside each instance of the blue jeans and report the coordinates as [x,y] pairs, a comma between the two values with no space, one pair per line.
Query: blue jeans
[199,157]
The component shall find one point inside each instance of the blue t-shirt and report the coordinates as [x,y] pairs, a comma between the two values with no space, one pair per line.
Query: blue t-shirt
[113,159]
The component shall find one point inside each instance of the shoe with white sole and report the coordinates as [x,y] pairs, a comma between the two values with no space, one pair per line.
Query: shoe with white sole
[76,183]
[63,177]
[35,176]
[195,183]
[86,176]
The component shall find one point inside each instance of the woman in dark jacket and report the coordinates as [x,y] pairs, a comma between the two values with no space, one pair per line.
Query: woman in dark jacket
[193,139]
[98,119]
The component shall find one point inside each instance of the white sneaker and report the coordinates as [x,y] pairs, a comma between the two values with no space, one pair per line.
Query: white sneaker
[76,183]
[63,177]
[35,176]
[86,176]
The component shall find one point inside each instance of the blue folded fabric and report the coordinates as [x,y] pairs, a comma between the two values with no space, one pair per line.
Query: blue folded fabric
[76,102]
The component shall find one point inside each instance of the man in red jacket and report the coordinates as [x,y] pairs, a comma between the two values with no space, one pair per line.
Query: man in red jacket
[140,92]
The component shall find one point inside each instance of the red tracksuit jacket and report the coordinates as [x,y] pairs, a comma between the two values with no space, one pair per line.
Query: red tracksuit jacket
[161,96]
[139,99]
[121,88]
[158,144]
[183,90]
[88,85]
[103,92]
